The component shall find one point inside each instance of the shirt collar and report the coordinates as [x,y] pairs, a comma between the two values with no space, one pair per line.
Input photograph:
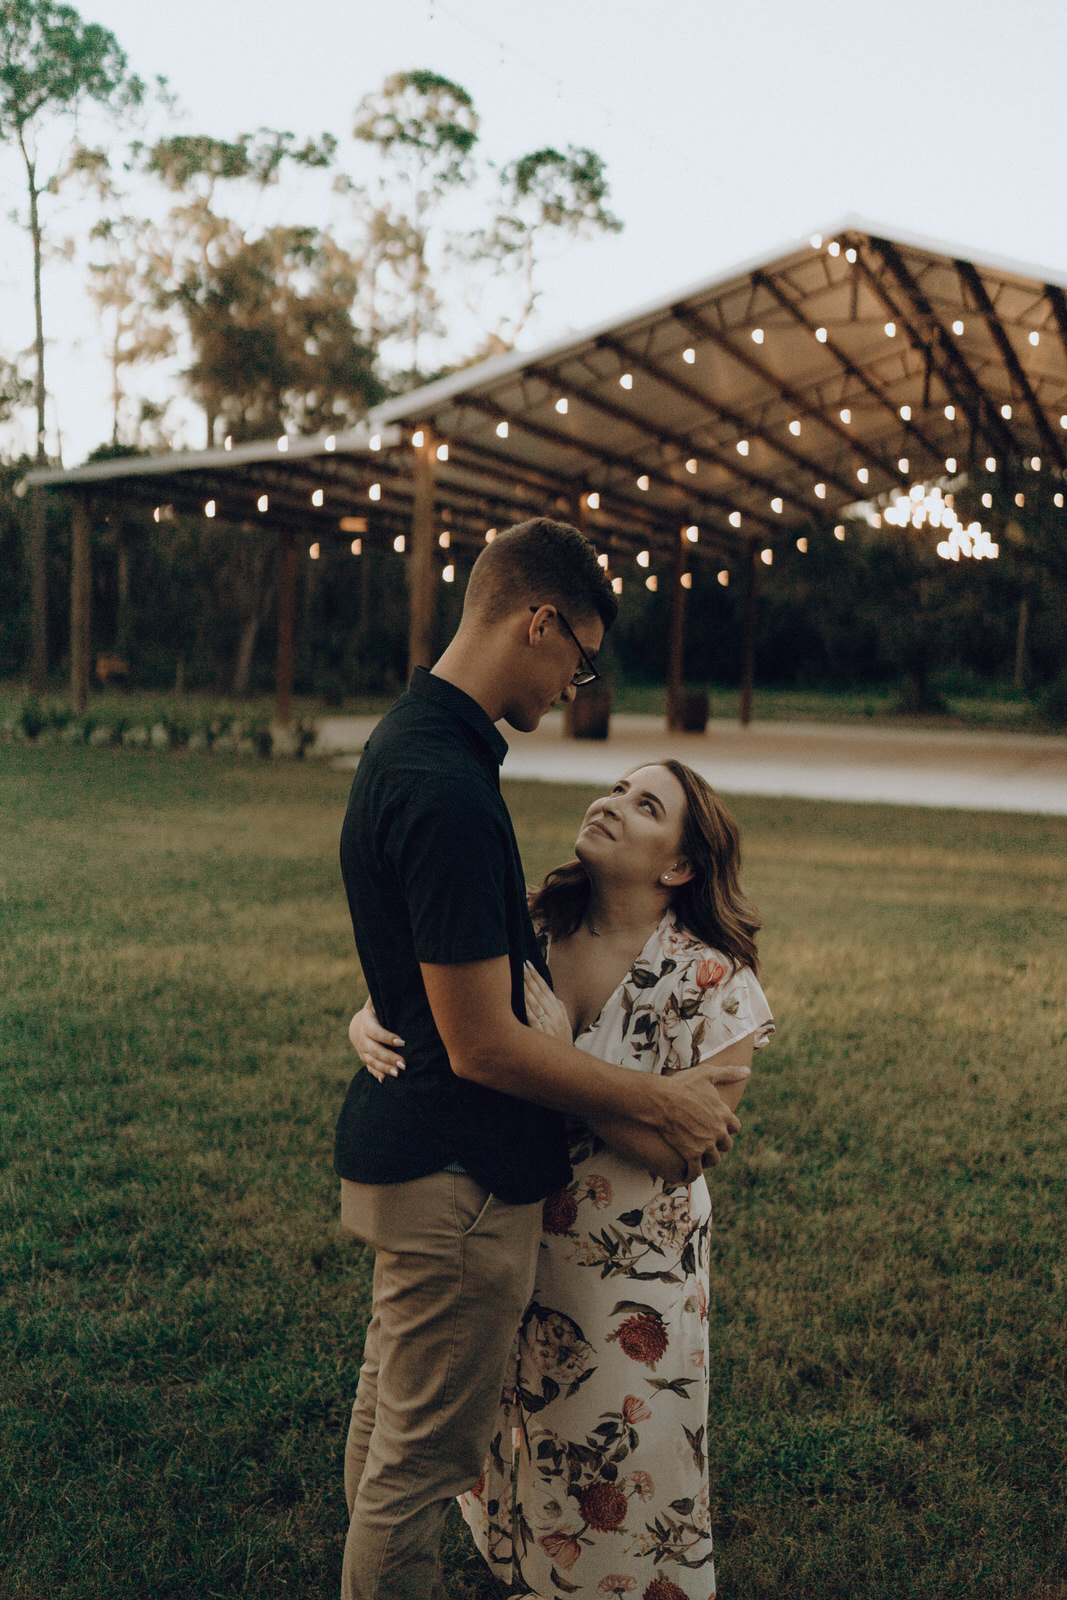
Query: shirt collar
[426,685]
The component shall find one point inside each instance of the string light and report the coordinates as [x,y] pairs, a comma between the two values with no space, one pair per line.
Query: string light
[1020,499]
[317,497]
[652,582]
[642,482]
[1035,463]
[802,546]
[816,241]
[314,552]
[692,533]
[330,443]
[262,503]
[374,492]
[987,501]
[850,254]
[490,535]
[767,557]
[950,463]
[375,441]
[904,464]
[442,452]
[991,463]
[757,336]
[742,447]
[839,533]
[418,438]
[448,574]
[501,430]
[723,578]
[776,505]
[356,547]
[691,464]
[1005,412]
[602,560]
[820,491]
[444,540]
[283,442]
[562,405]
[862,474]
[972,541]
[834,248]
[957,327]
[794,428]
[1035,339]
[1063,422]
[227,443]
[922,507]
[687,580]
[1057,500]
[209,509]
[689,355]
[616,586]
[592,500]
[846,416]
[626,381]
[735,519]
[643,558]
[890,330]
[821,335]
[905,412]
[399,543]
[950,413]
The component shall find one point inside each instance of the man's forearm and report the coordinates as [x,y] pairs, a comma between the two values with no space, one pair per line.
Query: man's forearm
[532,1066]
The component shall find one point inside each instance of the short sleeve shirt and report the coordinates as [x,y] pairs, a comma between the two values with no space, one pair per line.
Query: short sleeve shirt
[433,874]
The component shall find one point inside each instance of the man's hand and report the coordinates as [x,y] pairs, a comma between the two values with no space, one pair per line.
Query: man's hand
[695,1118]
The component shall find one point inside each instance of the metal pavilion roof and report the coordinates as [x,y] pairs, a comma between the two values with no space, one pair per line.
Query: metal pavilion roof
[752,406]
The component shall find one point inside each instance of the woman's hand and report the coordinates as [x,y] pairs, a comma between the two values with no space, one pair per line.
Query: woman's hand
[375,1045]
[544,1011]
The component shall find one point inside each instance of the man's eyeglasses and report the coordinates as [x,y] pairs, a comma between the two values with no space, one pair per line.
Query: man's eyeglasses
[586,673]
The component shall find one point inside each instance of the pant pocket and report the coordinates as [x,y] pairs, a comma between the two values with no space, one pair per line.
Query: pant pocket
[470,1203]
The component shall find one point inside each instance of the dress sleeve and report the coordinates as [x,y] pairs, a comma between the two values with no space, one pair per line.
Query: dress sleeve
[711,1008]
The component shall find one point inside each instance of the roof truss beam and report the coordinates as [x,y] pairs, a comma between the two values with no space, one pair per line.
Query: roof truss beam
[969,275]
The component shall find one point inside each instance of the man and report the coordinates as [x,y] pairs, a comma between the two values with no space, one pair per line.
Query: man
[443,1168]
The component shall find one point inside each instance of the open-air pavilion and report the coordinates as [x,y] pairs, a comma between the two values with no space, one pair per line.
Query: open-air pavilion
[851,375]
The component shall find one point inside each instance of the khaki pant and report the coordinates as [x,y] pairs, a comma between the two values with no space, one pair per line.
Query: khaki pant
[453,1272]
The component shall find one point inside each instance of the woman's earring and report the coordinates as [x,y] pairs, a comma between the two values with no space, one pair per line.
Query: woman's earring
[666,877]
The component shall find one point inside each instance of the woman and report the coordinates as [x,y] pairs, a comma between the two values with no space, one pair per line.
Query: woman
[596,1482]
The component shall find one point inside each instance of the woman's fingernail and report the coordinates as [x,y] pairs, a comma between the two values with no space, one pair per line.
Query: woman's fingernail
[399,1043]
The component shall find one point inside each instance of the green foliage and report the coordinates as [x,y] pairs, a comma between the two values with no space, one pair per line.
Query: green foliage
[182,1317]
[51,61]
[424,119]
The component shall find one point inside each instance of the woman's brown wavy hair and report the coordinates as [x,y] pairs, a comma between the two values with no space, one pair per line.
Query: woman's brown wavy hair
[712,905]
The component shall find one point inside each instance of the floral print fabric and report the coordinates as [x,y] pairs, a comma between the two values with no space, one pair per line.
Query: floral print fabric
[596,1482]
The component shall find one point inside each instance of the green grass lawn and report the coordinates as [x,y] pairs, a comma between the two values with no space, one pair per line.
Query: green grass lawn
[182,1318]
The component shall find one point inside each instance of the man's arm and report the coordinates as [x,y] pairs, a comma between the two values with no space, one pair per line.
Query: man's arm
[487,1044]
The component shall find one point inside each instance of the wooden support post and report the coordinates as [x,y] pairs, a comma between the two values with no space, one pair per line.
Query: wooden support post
[422,577]
[1020,643]
[80,604]
[37,552]
[676,641]
[283,683]
[748,636]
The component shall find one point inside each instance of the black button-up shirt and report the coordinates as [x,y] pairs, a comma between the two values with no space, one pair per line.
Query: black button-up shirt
[432,873]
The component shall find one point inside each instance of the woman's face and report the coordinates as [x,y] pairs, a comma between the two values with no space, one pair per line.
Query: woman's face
[636,830]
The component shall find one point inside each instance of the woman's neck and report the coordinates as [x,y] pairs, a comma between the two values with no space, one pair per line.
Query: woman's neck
[623,911]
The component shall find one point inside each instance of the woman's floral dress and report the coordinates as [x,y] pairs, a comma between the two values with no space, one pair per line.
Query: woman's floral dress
[596,1482]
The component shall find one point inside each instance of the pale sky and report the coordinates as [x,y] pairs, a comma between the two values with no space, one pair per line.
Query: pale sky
[729,129]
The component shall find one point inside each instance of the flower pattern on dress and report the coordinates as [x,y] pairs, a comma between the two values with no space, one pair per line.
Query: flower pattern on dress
[596,1482]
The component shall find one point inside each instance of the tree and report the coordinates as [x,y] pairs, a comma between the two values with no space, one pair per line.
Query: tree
[51,64]
[425,127]
[544,194]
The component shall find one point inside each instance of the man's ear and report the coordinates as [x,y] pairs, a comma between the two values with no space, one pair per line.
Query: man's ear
[538,623]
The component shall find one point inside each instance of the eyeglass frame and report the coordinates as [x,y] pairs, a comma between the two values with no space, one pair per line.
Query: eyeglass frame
[586,673]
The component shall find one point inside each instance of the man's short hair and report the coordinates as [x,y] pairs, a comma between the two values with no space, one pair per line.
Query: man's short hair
[540,562]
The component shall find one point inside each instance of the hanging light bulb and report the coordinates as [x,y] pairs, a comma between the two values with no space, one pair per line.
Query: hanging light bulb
[562,405]
[209,509]
[626,381]
[689,355]
[735,519]
[592,500]
[816,241]
[283,442]
[767,557]
[642,482]
[490,535]
[903,464]
[862,474]
[317,497]
[448,574]
[262,503]
[905,412]
[616,586]
[794,428]
[357,547]
[821,335]
[1005,412]
[833,248]
[444,540]
[950,413]
[846,416]
[742,447]
[991,463]
[820,491]
[802,546]
[957,327]
[602,560]
[399,543]
[1057,501]
[643,558]
[691,464]
[330,443]
[374,492]
[776,505]
[987,501]
[839,532]
[375,442]
[687,580]
[502,430]
[890,330]
[418,439]
[757,336]
[1035,339]
[227,443]
[314,552]
[692,533]
[850,254]
[652,582]
[723,578]
[442,452]
[950,463]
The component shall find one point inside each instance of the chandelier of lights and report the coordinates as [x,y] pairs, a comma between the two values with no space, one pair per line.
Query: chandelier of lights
[931,508]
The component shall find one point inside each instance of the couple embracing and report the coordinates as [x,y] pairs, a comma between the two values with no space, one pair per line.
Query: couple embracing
[547,1079]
